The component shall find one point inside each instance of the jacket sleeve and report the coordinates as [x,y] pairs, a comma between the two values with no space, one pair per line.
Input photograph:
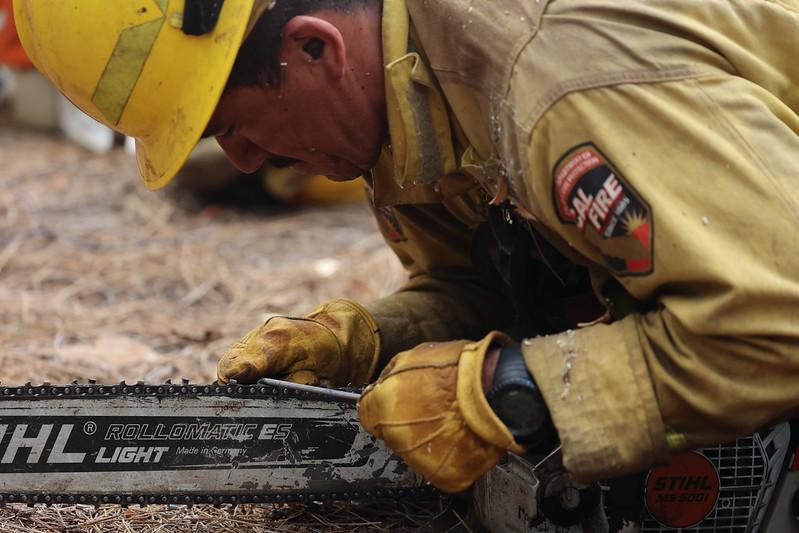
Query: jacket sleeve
[686,192]
[444,298]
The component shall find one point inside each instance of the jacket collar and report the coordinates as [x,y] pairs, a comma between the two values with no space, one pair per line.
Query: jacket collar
[420,149]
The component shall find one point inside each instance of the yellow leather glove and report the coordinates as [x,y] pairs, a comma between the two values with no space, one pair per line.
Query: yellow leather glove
[336,345]
[429,407]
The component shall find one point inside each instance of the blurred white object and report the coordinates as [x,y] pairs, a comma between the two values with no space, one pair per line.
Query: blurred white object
[35,101]
[6,83]
[82,129]
[130,145]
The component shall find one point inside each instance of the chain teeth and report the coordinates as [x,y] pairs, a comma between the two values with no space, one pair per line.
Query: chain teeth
[92,389]
[209,499]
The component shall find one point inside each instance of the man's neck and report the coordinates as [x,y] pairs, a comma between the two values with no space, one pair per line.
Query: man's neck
[363,32]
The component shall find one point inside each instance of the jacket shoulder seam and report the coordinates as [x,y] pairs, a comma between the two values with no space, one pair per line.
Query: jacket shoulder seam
[604,80]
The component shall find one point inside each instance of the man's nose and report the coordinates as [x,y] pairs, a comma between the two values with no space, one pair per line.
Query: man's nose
[245,155]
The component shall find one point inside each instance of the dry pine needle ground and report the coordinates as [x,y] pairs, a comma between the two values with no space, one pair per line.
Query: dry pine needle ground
[427,515]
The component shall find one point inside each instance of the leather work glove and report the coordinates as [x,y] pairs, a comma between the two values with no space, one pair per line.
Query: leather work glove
[429,407]
[336,345]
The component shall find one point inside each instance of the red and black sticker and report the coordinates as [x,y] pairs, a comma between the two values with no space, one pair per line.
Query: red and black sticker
[591,193]
[390,226]
[388,222]
[684,492]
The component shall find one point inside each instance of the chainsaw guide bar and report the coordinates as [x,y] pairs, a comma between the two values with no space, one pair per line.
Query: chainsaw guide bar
[131,444]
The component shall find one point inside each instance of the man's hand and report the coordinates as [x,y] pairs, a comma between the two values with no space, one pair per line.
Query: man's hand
[429,407]
[336,345]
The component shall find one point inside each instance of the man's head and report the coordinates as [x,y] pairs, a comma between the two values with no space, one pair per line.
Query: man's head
[307,89]
[307,86]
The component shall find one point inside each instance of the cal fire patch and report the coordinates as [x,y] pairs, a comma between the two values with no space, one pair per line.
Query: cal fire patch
[591,194]
[682,493]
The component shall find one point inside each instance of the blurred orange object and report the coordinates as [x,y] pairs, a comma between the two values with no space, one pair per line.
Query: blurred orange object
[319,190]
[295,187]
[11,52]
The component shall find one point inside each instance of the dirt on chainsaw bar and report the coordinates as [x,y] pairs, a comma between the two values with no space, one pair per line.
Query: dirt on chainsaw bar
[101,279]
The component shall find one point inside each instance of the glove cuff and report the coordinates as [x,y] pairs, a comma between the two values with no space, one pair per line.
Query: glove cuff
[473,404]
[358,335]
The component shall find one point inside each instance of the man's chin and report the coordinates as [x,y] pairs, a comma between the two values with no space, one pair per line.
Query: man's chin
[346,172]
[344,177]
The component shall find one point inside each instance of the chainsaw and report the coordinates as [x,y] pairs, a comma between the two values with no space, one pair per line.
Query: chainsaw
[279,442]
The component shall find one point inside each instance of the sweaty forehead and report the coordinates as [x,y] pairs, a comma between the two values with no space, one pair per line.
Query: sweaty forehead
[232,104]
[211,130]
[216,124]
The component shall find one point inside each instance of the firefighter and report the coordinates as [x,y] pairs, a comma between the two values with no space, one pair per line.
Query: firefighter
[610,184]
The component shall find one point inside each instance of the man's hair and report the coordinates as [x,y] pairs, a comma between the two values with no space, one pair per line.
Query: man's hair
[258,60]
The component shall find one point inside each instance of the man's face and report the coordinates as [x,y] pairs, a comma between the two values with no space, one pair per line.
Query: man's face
[328,114]
[297,124]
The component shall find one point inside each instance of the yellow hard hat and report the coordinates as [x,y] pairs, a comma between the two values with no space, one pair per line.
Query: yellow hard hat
[151,69]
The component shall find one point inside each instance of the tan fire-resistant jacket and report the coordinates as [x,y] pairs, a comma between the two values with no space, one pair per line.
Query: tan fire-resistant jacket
[654,141]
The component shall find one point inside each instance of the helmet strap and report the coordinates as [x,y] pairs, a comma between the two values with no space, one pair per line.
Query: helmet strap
[200,16]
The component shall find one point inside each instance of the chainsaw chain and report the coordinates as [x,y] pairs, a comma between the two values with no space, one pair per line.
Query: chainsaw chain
[91,389]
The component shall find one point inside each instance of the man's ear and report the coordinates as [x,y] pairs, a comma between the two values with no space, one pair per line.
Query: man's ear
[314,40]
